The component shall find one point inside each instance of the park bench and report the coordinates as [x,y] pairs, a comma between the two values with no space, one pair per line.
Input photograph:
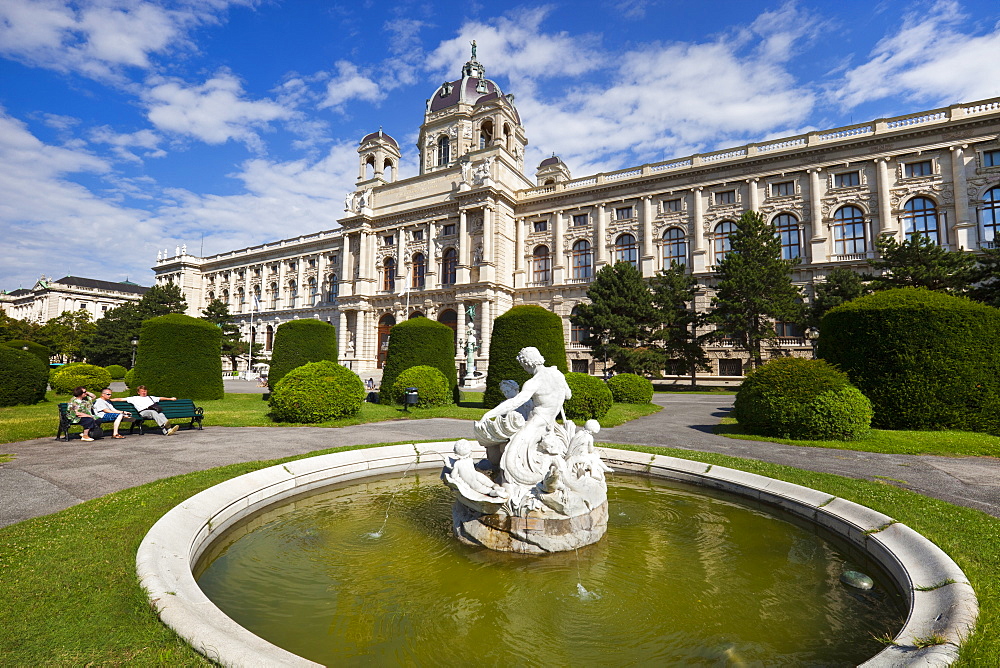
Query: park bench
[65,424]
[181,409]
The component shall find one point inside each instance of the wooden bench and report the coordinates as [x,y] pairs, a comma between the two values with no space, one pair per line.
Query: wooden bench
[181,409]
[64,424]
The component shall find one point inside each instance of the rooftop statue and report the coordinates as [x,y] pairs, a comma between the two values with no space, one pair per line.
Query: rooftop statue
[542,487]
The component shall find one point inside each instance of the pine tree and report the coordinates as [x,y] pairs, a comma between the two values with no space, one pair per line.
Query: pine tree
[163,299]
[674,292]
[841,285]
[987,279]
[754,287]
[620,319]
[918,262]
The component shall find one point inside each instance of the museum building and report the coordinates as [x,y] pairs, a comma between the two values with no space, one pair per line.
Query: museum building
[472,230]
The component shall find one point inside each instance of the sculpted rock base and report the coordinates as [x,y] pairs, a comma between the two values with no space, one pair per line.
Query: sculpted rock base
[533,534]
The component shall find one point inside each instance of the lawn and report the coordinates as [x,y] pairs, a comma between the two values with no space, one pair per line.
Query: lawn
[71,596]
[898,442]
[21,423]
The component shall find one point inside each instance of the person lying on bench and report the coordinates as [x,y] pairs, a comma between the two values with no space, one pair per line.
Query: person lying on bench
[106,411]
[144,402]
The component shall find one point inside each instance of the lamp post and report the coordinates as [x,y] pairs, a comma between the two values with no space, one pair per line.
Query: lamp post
[135,344]
[604,345]
[813,335]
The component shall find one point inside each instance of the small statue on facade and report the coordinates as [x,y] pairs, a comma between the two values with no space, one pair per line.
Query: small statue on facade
[482,173]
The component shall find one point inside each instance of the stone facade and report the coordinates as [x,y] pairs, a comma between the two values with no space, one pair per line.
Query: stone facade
[49,298]
[472,229]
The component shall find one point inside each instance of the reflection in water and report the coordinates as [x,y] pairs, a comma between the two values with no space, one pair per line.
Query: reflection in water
[683,577]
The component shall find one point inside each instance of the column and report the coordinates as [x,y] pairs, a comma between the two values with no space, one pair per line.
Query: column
[558,258]
[965,233]
[342,338]
[699,254]
[462,275]
[886,225]
[282,285]
[460,335]
[401,260]
[347,265]
[300,269]
[485,328]
[366,262]
[600,243]
[817,241]
[647,264]
[519,278]
[754,194]
[430,262]
[487,269]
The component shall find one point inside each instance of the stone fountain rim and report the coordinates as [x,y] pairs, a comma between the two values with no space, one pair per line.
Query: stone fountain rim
[170,550]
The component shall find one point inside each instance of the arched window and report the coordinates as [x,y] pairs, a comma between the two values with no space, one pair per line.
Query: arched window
[241,297]
[921,217]
[444,150]
[674,247]
[786,226]
[313,291]
[721,244]
[257,303]
[449,266]
[485,134]
[293,294]
[419,268]
[389,170]
[577,333]
[990,216]
[450,318]
[225,298]
[541,265]
[370,167]
[211,296]
[626,250]
[583,260]
[389,275]
[269,338]
[333,288]
[508,137]
[275,295]
[849,231]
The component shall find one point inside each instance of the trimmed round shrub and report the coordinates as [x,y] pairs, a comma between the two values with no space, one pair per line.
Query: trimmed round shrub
[317,392]
[628,388]
[23,377]
[117,371]
[180,356]
[591,397]
[70,376]
[420,342]
[926,360]
[792,397]
[36,349]
[518,328]
[432,387]
[299,342]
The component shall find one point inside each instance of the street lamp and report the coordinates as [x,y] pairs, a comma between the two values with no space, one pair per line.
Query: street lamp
[135,344]
[604,345]
[813,335]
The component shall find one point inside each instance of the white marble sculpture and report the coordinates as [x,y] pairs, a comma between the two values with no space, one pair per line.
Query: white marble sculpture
[554,496]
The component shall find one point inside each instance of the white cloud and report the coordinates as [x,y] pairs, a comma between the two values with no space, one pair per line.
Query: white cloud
[934,58]
[214,112]
[349,84]
[125,145]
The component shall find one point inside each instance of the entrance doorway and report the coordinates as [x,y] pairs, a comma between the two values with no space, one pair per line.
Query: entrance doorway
[384,325]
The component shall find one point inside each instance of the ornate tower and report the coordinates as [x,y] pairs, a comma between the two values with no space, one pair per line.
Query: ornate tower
[468,115]
[379,157]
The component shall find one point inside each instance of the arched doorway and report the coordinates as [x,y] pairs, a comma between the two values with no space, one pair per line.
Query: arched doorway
[384,325]
[450,318]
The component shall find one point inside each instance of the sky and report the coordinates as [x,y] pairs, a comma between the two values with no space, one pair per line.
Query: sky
[132,126]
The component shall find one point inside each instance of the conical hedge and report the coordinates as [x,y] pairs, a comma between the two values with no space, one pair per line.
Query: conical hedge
[180,356]
[419,342]
[299,342]
[518,328]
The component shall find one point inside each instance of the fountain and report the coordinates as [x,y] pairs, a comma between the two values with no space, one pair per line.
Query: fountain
[291,552]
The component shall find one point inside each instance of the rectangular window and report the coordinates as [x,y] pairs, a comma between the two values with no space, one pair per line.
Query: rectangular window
[922,168]
[291,267]
[788,330]
[580,366]
[449,229]
[418,235]
[623,213]
[846,180]
[580,219]
[389,240]
[312,263]
[991,158]
[783,189]
[671,205]
[726,197]
[541,225]
[730,367]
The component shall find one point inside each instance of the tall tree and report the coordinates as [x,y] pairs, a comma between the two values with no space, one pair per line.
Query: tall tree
[111,341]
[841,285]
[12,329]
[987,278]
[233,346]
[918,262]
[65,333]
[620,319]
[674,292]
[163,299]
[754,287]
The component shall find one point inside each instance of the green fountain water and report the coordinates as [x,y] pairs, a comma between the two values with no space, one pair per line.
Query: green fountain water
[371,574]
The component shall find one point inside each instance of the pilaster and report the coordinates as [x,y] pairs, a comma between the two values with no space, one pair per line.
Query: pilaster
[647,259]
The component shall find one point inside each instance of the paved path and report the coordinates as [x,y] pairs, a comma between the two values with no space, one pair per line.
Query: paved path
[47,476]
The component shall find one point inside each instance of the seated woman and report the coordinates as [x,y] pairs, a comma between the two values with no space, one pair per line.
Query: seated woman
[107,412]
[80,411]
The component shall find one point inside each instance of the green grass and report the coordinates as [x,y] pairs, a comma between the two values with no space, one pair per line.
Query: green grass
[70,595]
[946,443]
[21,423]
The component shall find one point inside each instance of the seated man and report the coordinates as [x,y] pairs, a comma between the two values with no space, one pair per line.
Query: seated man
[106,411]
[142,403]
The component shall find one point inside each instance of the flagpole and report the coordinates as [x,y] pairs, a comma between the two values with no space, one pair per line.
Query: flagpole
[250,336]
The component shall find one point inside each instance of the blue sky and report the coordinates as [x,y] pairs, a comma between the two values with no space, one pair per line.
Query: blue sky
[128,126]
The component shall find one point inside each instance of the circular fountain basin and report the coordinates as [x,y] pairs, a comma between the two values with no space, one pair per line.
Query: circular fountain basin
[169,553]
